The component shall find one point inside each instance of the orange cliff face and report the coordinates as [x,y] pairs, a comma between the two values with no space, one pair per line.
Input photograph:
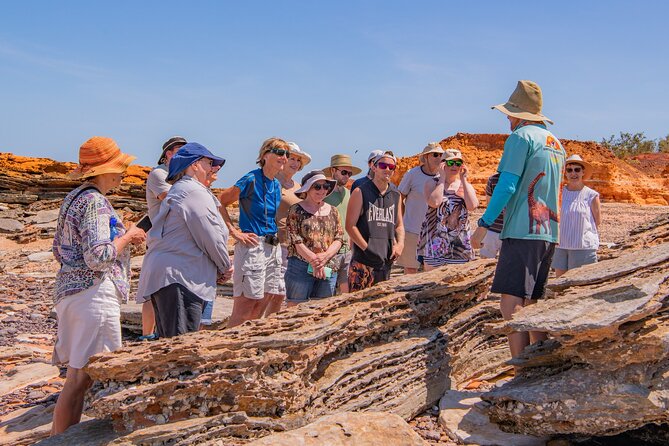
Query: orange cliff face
[615,179]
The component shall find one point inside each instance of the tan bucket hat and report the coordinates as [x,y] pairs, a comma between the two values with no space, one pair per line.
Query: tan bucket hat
[341,161]
[100,155]
[452,154]
[525,103]
[587,167]
[433,147]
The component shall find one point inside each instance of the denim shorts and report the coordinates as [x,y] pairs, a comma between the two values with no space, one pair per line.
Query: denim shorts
[207,313]
[302,286]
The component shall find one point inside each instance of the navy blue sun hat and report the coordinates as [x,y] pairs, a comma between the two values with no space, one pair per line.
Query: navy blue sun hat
[187,155]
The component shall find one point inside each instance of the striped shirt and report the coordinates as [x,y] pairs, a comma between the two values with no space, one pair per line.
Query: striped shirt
[498,224]
[577,224]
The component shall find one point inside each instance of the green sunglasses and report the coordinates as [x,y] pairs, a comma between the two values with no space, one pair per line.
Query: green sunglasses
[454,162]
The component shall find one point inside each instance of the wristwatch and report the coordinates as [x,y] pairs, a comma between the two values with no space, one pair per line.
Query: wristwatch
[482,224]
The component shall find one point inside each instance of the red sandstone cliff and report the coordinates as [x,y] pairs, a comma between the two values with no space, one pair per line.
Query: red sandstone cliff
[642,180]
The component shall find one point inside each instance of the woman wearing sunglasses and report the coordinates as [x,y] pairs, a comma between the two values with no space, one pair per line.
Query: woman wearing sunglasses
[580,216]
[315,235]
[257,277]
[444,236]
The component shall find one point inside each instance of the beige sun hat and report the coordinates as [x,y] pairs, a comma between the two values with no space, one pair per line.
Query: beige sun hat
[295,150]
[433,147]
[525,103]
[341,161]
[587,167]
[452,154]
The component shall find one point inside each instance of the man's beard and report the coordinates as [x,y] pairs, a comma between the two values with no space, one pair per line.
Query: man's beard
[342,182]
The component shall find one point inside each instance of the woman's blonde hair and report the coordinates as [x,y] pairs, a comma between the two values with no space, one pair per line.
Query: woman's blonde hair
[269,144]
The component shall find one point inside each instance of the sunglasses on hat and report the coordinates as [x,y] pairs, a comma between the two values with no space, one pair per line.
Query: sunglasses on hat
[454,162]
[279,152]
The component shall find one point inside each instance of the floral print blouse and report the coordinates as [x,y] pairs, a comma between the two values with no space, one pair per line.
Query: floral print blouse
[83,247]
[317,233]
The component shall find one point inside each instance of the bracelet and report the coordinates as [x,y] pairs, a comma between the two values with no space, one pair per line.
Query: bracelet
[482,224]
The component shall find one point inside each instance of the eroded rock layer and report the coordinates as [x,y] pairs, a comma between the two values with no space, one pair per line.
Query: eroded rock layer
[604,370]
[391,348]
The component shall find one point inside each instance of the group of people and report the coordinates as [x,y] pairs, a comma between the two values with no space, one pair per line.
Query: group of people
[297,241]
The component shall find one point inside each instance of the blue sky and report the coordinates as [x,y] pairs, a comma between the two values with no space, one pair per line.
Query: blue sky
[335,77]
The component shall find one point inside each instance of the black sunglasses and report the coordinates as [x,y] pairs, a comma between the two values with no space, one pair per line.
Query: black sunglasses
[319,186]
[280,152]
[573,169]
[436,154]
[345,172]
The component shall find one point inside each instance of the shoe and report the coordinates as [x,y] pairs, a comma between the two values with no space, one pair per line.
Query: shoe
[149,337]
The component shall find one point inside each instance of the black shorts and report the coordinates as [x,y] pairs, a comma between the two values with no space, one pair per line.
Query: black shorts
[177,310]
[522,268]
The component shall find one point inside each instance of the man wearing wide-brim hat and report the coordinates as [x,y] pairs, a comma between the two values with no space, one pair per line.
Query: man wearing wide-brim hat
[530,170]
[412,187]
[341,169]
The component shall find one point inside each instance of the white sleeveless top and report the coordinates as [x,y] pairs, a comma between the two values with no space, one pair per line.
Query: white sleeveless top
[577,224]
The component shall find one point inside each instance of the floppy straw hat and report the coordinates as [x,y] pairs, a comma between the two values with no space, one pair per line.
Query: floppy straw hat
[452,154]
[525,103]
[169,144]
[309,179]
[100,155]
[304,156]
[587,167]
[341,161]
[433,147]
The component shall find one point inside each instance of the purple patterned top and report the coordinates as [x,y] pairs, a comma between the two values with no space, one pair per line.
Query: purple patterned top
[83,247]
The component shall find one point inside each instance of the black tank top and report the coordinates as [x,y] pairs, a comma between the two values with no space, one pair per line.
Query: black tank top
[377,224]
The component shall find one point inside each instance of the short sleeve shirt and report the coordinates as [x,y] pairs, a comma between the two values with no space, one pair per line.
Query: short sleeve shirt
[339,199]
[156,184]
[259,199]
[537,157]
[415,207]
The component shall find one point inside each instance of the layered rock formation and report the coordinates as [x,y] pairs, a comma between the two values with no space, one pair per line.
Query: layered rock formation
[396,348]
[32,190]
[616,180]
[604,370]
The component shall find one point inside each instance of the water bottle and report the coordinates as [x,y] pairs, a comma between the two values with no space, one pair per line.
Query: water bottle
[113,230]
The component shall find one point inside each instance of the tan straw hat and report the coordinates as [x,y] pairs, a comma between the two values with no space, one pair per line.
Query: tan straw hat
[587,167]
[100,155]
[433,147]
[341,161]
[525,103]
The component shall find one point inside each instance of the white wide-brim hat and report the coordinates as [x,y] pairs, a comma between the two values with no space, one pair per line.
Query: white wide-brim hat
[312,177]
[304,156]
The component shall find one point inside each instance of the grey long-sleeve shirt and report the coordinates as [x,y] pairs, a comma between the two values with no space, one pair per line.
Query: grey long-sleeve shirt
[188,243]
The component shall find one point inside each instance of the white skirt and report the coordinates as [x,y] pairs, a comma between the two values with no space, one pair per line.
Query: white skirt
[89,322]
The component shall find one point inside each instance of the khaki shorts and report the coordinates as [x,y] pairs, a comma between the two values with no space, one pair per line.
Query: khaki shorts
[257,270]
[408,257]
